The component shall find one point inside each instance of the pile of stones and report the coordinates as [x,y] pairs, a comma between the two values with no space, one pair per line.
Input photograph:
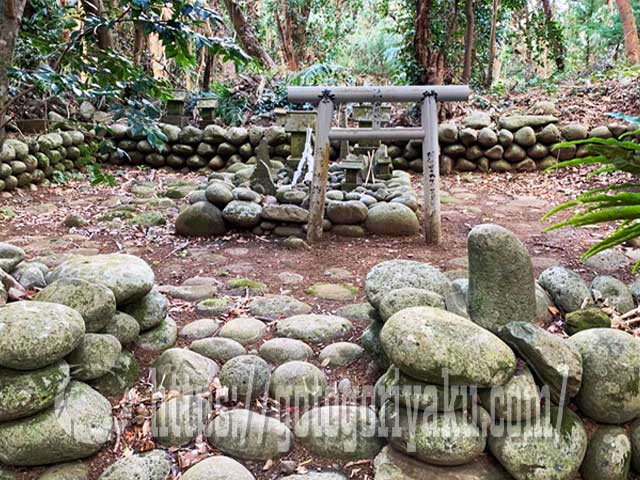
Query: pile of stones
[250,200]
[66,345]
[514,143]
[471,370]
[38,159]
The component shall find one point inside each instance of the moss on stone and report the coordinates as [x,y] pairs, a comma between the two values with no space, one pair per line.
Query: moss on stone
[247,283]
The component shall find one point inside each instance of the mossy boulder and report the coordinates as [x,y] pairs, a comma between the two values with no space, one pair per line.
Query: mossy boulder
[218,467]
[37,334]
[94,356]
[501,281]
[427,342]
[608,455]
[159,338]
[246,377]
[585,319]
[610,390]
[24,393]
[568,291]
[123,327]
[218,349]
[149,311]
[297,383]
[446,438]
[130,278]
[94,301]
[77,427]
[552,448]
[314,328]
[122,376]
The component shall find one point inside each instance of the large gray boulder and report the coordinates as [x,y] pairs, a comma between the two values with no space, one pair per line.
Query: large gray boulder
[184,371]
[94,301]
[250,435]
[427,343]
[501,281]
[610,388]
[555,362]
[393,274]
[394,219]
[608,455]
[153,465]
[94,357]
[24,393]
[346,432]
[391,464]
[568,291]
[448,438]
[76,427]
[218,467]
[130,278]
[532,450]
[285,213]
[37,334]
[201,219]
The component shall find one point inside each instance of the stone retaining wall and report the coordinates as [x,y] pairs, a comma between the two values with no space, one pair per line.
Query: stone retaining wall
[515,143]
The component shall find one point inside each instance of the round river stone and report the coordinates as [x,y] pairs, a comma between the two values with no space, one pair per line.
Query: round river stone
[128,277]
[427,342]
[36,334]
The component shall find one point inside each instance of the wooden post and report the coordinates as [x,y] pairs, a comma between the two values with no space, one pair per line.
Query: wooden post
[431,169]
[320,169]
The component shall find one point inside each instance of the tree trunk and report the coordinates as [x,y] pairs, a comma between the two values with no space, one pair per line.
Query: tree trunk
[10,17]
[138,44]
[468,40]
[492,43]
[292,27]
[247,34]
[103,34]
[630,29]
[557,44]
[431,62]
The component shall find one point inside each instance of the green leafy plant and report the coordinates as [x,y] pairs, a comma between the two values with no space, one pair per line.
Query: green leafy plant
[615,203]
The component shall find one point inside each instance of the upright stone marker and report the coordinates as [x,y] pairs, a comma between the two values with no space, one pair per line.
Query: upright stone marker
[501,282]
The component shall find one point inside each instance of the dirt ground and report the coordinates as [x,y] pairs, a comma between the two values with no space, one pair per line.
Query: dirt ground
[35,221]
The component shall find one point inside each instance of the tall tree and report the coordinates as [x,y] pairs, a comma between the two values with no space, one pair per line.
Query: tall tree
[492,43]
[292,20]
[630,30]
[10,17]
[247,34]
[555,37]
[430,59]
[468,40]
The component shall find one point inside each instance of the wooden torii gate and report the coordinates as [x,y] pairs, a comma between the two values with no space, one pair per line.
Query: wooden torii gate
[327,97]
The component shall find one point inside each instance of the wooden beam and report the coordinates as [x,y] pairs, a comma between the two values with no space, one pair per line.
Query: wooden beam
[320,171]
[431,169]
